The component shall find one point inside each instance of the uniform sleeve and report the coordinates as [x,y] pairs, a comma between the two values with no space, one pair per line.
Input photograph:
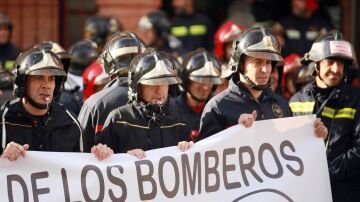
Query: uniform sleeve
[347,165]
[86,118]
[210,122]
[108,134]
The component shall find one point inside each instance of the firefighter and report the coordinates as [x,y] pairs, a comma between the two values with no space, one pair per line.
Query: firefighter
[83,53]
[149,121]
[116,58]
[34,121]
[100,29]
[248,98]
[155,28]
[336,103]
[8,54]
[200,75]
[5,78]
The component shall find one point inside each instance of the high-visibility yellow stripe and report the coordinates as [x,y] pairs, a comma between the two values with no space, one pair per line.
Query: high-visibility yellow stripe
[198,30]
[341,113]
[302,106]
[348,109]
[9,64]
[349,116]
[171,126]
[327,115]
[179,31]
[346,113]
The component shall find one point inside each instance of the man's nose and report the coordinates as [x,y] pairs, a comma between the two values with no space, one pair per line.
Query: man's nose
[336,66]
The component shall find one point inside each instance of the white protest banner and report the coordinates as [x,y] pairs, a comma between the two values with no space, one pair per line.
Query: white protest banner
[275,160]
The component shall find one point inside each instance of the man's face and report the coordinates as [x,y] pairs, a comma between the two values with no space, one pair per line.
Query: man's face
[228,47]
[4,34]
[156,94]
[258,70]
[200,90]
[40,87]
[149,36]
[180,6]
[298,7]
[331,71]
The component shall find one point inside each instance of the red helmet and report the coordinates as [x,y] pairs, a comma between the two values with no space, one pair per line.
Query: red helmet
[225,34]
[93,76]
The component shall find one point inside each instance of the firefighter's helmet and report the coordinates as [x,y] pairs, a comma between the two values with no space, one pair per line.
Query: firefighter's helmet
[120,51]
[93,76]
[54,47]
[83,53]
[37,62]
[256,41]
[330,45]
[202,67]
[151,68]
[226,34]
[98,28]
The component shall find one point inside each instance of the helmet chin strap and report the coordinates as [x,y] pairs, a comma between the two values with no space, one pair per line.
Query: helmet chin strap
[37,105]
[153,109]
[197,99]
[321,79]
[253,85]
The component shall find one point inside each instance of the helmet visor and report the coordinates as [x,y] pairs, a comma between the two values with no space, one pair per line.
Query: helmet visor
[166,80]
[45,64]
[327,49]
[48,71]
[161,74]
[265,55]
[206,74]
[266,49]
[206,79]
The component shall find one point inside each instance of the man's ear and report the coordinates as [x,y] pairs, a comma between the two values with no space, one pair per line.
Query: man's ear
[316,69]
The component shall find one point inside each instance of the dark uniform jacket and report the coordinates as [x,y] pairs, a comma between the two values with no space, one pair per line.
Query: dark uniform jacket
[137,126]
[194,31]
[95,109]
[300,33]
[224,110]
[191,117]
[56,131]
[342,119]
[8,55]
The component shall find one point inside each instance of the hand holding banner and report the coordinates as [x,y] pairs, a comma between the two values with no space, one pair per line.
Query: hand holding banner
[274,160]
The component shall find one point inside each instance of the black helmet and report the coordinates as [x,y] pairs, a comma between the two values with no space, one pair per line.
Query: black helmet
[329,45]
[202,67]
[158,21]
[97,28]
[256,41]
[37,62]
[54,47]
[5,77]
[83,53]
[120,51]
[151,68]
[5,20]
